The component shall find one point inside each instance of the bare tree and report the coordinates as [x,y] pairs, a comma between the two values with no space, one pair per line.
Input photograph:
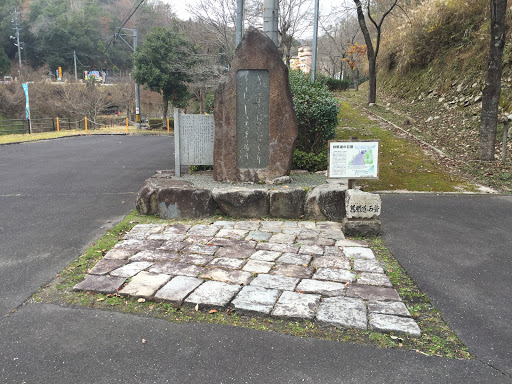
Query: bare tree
[295,17]
[492,89]
[372,51]
[218,17]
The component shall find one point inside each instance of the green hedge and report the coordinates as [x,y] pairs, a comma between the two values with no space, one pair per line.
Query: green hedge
[317,117]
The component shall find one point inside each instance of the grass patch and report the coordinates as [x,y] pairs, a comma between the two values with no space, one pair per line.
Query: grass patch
[437,338]
[403,165]
[454,131]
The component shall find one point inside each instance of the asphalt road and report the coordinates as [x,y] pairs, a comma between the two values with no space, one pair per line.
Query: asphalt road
[458,249]
[56,196]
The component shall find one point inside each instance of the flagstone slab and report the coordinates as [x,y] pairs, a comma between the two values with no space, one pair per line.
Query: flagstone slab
[308,234]
[291,248]
[179,228]
[271,226]
[294,305]
[195,258]
[258,266]
[374,279]
[293,270]
[325,288]
[196,239]
[213,294]
[138,245]
[369,292]
[144,284]
[329,225]
[282,238]
[265,255]
[223,242]
[247,225]
[201,249]
[396,308]
[232,233]
[235,252]
[156,255]
[342,312]
[258,236]
[351,243]
[390,323]
[100,284]
[307,224]
[334,274]
[177,269]
[294,258]
[105,266]
[332,251]
[330,262]
[322,241]
[256,300]
[275,282]
[131,269]
[372,266]
[227,262]
[204,230]
[231,276]
[332,234]
[118,254]
[172,245]
[225,223]
[177,289]
[315,250]
[359,253]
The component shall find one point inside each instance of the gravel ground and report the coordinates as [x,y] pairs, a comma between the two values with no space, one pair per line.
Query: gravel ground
[205,180]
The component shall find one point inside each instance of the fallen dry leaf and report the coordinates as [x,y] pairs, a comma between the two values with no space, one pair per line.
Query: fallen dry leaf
[100,299]
[144,341]
[197,307]
[212,311]
[141,300]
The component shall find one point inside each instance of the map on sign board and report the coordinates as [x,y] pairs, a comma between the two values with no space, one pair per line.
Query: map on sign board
[353,159]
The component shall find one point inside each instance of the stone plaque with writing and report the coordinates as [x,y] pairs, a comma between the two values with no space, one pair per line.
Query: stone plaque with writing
[196,139]
[255,123]
[252,129]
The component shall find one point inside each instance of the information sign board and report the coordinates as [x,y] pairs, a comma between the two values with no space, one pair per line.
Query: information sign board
[353,159]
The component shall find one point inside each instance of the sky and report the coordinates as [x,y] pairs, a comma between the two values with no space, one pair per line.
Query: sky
[180,7]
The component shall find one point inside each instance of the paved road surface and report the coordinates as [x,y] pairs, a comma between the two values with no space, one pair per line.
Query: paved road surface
[56,195]
[458,249]
[54,198]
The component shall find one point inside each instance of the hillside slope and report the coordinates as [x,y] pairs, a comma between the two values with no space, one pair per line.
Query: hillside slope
[432,70]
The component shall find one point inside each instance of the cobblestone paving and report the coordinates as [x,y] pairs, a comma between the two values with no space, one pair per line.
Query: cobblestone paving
[285,269]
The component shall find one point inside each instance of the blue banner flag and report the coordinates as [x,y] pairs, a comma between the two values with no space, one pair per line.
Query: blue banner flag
[27,107]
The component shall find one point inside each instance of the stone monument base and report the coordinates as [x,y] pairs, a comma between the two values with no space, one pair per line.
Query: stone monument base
[172,198]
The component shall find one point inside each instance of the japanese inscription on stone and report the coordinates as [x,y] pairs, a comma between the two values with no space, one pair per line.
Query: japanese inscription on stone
[196,139]
[252,118]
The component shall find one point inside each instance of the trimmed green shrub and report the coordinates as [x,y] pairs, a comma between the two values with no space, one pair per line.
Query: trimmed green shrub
[317,117]
[336,84]
[156,124]
[310,161]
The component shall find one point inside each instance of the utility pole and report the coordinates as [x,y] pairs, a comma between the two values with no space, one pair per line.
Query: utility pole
[270,20]
[239,21]
[17,30]
[74,59]
[315,38]
[137,91]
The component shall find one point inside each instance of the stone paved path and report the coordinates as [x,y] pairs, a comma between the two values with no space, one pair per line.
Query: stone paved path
[285,269]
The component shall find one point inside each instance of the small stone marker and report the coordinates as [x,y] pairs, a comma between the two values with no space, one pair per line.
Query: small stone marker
[255,122]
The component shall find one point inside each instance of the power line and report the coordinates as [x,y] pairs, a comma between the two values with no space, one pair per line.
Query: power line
[119,29]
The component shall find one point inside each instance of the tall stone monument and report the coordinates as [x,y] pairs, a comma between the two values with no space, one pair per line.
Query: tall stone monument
[255,123]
